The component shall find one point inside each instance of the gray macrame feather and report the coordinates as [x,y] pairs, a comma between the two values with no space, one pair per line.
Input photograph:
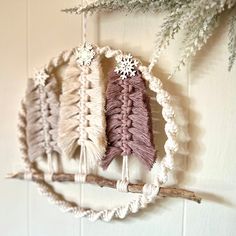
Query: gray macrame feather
[42,106]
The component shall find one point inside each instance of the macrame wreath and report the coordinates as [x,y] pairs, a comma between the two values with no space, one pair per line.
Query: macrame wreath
[80,115]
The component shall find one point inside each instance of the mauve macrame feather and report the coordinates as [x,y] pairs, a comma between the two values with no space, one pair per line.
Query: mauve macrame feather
[42,106]
[82,113]
[128,116]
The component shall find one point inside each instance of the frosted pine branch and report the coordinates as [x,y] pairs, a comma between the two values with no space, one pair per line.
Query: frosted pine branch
[197,18]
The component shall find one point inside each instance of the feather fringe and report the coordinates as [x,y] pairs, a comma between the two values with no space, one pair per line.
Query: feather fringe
[42,105]
[82,116]
[129,130]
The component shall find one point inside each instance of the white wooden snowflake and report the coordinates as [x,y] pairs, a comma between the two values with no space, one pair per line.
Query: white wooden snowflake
[126,66]
[40,77]
[85,54]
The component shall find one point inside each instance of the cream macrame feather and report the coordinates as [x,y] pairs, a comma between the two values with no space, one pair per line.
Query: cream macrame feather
[42,106]
[82,118]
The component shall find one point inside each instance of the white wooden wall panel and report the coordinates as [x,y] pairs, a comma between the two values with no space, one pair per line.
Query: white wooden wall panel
[14,197]
[33,31]
[211,164]
[47,36]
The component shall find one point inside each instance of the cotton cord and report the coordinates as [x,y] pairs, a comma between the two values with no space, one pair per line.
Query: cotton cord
[84,22]
[80,178]
[48,177]
[50,162]
[28,176]
[122,185]
[125,168]
[83,169]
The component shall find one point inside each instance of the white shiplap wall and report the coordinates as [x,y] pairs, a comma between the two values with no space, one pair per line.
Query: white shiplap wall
[33,31]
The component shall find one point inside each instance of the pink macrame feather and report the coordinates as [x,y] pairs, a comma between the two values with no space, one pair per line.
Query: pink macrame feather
[129,130]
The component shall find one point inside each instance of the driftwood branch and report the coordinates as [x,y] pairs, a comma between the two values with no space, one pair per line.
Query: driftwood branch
[104,182]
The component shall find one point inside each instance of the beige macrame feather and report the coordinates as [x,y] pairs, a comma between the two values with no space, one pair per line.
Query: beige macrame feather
[82,118]
[42,106]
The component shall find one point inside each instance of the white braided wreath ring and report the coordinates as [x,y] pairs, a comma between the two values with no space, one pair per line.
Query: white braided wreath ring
[150,191]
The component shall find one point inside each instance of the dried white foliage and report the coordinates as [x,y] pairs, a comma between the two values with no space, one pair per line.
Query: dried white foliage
[197,18]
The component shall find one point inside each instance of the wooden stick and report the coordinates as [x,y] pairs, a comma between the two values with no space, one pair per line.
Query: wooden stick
[104,182]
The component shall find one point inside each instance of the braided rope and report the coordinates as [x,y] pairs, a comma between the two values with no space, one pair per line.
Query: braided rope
[150,191]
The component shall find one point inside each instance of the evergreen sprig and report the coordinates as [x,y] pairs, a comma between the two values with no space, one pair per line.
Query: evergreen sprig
[197,18]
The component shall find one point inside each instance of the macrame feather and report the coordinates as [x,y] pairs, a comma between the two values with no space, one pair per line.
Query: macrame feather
[42,105]
[129,130]
[82,116]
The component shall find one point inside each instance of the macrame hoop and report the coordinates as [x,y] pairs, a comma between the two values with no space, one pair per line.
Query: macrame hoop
[150,191]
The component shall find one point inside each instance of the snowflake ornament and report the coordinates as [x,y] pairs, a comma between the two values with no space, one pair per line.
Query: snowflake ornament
[126,66]
[40,77]
[85,54]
